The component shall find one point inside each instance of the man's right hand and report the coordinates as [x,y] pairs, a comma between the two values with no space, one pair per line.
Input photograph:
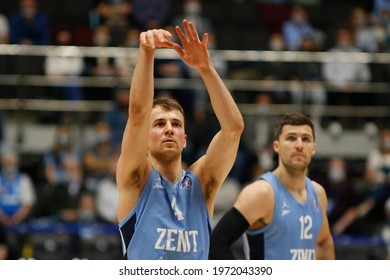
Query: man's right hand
[156,38]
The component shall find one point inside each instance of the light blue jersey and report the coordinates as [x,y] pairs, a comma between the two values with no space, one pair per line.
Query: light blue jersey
[292,232]
[168,222]
[10,195]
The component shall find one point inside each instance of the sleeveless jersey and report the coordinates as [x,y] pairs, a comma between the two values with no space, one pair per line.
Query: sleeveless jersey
[168,221]
[292,232]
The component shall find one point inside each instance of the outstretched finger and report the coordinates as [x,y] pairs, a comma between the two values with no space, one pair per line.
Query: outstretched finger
[188,29]
[194,33]
[181,35]
[205,39]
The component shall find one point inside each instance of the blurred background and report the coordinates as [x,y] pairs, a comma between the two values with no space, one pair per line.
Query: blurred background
[65,72]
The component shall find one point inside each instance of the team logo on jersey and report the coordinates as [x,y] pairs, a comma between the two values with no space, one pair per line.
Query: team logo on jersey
[186,183]
[285,208]
[315,205]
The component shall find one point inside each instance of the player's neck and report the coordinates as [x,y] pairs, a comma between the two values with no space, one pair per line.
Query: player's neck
[170,170]
[293,180]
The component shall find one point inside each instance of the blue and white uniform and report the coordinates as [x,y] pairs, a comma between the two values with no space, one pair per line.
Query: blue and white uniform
[168,222]
[292,232]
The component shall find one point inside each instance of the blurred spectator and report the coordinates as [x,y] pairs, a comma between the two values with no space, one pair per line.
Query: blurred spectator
[381,13]
[131,39]
[201,98]
[259,132]
[68,201]
[65,64]
[339,185]
[151,14]
[378,161]
[125,65]
[341,70]
[116,14]
[116,117]
[192,10]
[17,193]
[29,25]
[65,145]
[377,176]
[363,30]
[107,196]
[4,29]
[62,198]
[258,135]
[174,68]
[273,71]
[102,65]
[381,10]
[306,82]
[296,28]
[98,158]
[86,209]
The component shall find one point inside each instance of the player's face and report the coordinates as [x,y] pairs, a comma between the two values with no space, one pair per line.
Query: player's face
[167,134]
[295,146]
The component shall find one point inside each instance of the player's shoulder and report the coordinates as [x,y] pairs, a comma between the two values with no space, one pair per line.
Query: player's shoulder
[320,190]
[317,186]
[258,186]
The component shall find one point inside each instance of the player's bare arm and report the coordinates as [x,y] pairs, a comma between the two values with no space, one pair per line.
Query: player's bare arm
[325,245]
[133,165]
[213,168]
[256,203]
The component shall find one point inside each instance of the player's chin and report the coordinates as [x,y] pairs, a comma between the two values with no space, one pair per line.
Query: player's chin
[171,150]
[300,163]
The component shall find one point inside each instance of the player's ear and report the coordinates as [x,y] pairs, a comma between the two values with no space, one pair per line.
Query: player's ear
[275,145]
[314,150]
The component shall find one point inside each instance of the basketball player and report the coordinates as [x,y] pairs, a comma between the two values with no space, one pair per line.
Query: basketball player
[164,211]
[283,212]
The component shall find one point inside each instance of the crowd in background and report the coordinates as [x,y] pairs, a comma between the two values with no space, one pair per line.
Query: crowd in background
[76,183]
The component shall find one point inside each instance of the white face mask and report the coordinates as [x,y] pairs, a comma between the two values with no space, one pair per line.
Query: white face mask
[101,40]
[9,172]
[103,138]
[192,8]
[132,43]
[298,18]
[86,215]
[336,175]
[63,140]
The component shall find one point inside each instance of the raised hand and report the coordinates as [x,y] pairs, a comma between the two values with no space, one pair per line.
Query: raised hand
[156,38]
[194,52]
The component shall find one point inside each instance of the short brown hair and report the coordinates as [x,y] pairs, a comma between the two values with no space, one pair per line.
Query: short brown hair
[292,119]
[168,104]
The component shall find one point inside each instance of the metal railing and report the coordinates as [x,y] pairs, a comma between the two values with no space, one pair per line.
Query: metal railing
[22,80]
